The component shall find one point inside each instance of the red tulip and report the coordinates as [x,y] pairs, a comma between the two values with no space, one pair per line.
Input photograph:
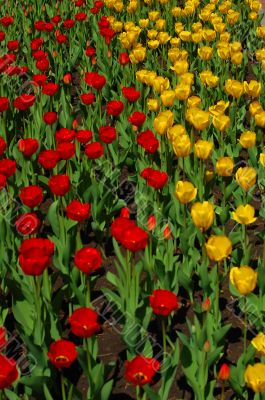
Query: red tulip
[125,212]
[31,196]
[88,260]
[48,159]
[83,136]
[2,36]
[148,141]
[78,211]
[131,94]
[62,353]
[84,322]
[28,146]
[68,23]
[50,117]
[43,65]
[6,21]
[2,146]
[7,167]
[39,79]
[107,134]
[4,104]
[65,150]
[224,372]
[140,370]
[24,101]
[154,178]
[163,302]
[35,255]
[94,150]
[80,16]
[134,239]
[12,45]
[8,372]
[115,108]
[59,184]
[167,232]
[119,227]
[64,135]
[50,89]
[124,59]
[28,224]
[87,98]
[137,118]
[95,80]
[90,51]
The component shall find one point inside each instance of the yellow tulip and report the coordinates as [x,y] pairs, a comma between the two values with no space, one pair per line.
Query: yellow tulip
[246,177]
[255,107]
[185,192]
[237,58]
[182,91]
[200,119]
[253,15]
[187,78]
[260,119]
[221,122]
[153,105]
[218,247]
[152,34]
[203,149]
[160,24]
[163,37]
[224,166]
[244,214]
[182,146]
[209,34]
[255,377]
[259,343]
[219,108]
[205,53]
[168,97]
[260,31]
[153,15]
[262,159]
[193,101]
[185,36]
[153,44]
[234,88]
[202,215]
[224,51]
[244,278]
[160,84]
[144,23]
[180,67]
[176,11]
[163,121]
[247,139]
[175,131]
[253,88]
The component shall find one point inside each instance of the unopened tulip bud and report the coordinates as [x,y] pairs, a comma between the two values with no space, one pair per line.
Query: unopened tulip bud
[94,60]
[109,53]
[67,79]
[224,372]
[167,233]
[75,124]
[206,305]
[151,223]
[207,346]
[125,213]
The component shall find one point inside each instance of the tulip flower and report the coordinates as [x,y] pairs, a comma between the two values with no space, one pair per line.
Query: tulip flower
[255,377]
[140,370]
[202,215]
[259,343]
[244,214]
[8,372]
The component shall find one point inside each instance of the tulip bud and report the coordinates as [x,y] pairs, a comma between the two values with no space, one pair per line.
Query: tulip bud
[207,346]
[167,232]
[125,213]
[75,124]
[224,372]
[151,223]
[206,305]
[67,78]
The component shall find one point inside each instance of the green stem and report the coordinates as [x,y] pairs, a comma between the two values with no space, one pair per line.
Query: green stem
[223,391]
[70,393]
[217,293]
[245,326]
[263,255]
[164,335]
[63,387]
[88,295]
